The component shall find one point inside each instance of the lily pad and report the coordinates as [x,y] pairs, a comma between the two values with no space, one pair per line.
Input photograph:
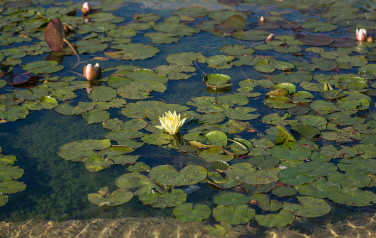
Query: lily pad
[217,138]
[281,219]
[186,212]
[231,198]
[162,200]
[133,51]
[217,81]
[78,150]
[42,67]
[104,198]
[96,116]
[311,207]
[102,93]
[239,214]
[189,175]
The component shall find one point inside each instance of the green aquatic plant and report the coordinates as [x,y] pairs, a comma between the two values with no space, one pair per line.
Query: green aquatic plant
[8,177]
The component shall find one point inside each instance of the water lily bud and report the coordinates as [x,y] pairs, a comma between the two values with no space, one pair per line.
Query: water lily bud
[89,72]
[369,39]
[98,71]
[361,34]
[85,9]
[262,19]
[270,37]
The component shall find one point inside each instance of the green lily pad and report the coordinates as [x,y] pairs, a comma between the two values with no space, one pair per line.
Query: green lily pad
[77,151]
[189,175]
[239,214]
[133,51]
[10,172]
[42,67]
[96,116]
[306,131]
[96,162]
[162,200]
[284,191]
[186,212]
[323,107]
[310,207]
[219,62]
[251,35]
[158,138]
[13,112]
[176,28]
[245,173]
[231,198]
[237,50]
[131,181]
[104,198]
[102,93]
[215,154]
[162,38]
[217,138]
[3,199]
[11,186]
[318,26]
[265,203]
[150,109]
[140,90]
[217,81]
[281,219]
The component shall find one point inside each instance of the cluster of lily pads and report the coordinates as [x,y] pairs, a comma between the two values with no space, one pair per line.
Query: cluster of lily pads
[8,177]
[319,143]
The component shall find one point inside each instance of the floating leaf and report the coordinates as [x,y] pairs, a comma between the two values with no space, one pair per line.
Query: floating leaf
[189,175]
[162,200]
[13,112]
[186,212]
[231,198]
[217,81]
[11,186]
[311,207]
[96,116]
[217,138]
[77,151]
[281,219]
[104,198]
[133,51]
[239,214]
[102,93]
[42,67]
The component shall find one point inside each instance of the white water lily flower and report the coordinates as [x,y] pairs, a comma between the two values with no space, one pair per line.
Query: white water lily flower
[361,34]
[171,122]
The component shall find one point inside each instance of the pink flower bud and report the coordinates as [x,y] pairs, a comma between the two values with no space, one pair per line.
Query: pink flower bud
[262,19]
[269,38]
[92,72]
[98,71]
[361,34]
[85,9]
[89,72]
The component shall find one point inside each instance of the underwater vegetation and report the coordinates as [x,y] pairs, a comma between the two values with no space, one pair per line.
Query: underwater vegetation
[268,105]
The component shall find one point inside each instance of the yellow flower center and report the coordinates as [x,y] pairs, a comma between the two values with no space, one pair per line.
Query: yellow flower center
[171,118]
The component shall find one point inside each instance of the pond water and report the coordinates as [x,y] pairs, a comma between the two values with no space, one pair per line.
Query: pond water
[279,137]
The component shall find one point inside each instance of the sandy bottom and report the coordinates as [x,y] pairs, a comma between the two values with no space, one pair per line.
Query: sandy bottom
[356,226]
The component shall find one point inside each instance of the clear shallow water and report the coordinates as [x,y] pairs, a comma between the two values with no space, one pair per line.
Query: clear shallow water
[57,189]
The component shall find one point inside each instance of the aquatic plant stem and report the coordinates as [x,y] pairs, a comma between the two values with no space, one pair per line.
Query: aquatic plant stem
[74,51]
[199,68]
